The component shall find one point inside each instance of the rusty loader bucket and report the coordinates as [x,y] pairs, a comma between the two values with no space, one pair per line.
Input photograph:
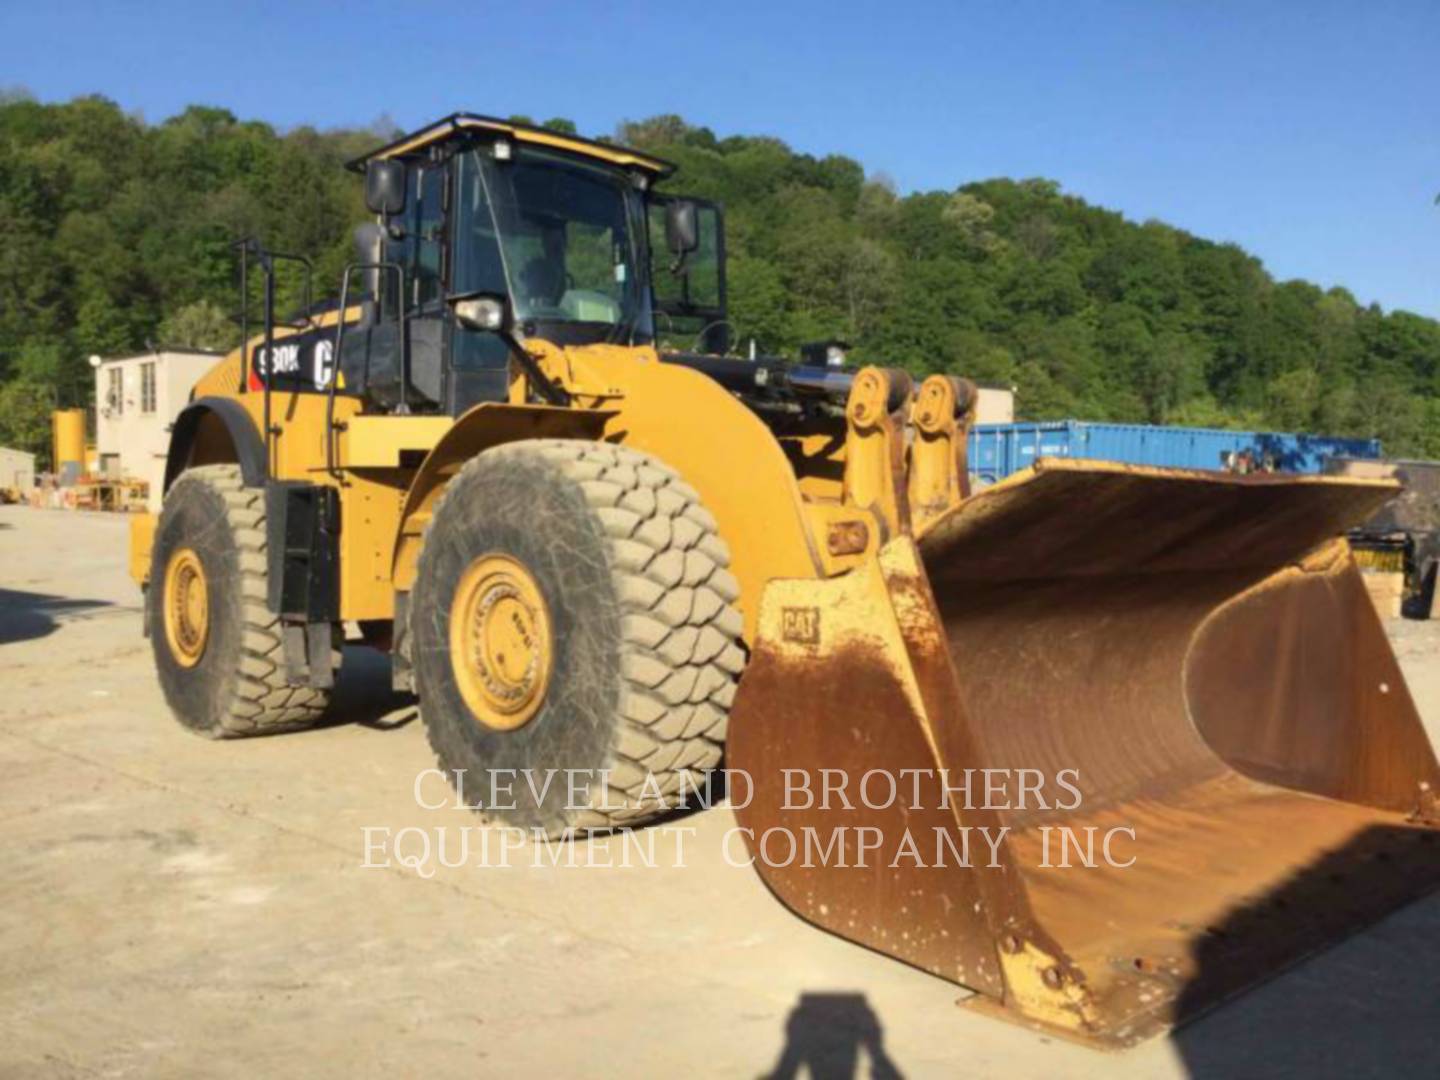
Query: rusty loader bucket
[1104,744]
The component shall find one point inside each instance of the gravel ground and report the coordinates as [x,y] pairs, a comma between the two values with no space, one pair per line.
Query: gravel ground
[173,907]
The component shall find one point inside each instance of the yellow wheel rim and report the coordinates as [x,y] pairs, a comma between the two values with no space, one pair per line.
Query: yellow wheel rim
[187,607]
[500,645]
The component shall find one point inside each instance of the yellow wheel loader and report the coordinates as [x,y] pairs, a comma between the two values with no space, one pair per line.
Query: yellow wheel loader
[1103,744]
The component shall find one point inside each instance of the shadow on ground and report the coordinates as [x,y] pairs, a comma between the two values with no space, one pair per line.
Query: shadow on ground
[1369,1007]
[826,1036]
[25,616]
[363,695]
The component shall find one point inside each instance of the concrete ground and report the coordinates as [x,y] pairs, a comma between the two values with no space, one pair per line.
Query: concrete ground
[176,907]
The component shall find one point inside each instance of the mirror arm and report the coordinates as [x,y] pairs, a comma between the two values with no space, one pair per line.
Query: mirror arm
[552,392]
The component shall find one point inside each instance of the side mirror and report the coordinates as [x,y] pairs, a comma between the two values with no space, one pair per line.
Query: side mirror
[384,187]
[481,311]
[682,227]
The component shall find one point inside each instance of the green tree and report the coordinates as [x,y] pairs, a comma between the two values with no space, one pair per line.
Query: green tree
[971,219]
[25,409]
[1292,399]
[116,234]
[201,325]
[1205,412]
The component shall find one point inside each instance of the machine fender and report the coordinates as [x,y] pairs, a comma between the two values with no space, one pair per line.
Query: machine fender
[487,424]
[732,459]
[248,447]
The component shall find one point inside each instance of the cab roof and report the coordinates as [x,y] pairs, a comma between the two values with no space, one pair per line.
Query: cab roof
[455,123]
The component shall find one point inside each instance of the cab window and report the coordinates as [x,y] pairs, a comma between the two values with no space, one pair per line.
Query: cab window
[429,247]
[420,246]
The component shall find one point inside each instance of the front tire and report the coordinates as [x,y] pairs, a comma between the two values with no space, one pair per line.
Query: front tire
[574,617]
[217,646]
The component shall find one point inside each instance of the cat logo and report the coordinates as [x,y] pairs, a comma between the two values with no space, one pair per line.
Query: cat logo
[800,625]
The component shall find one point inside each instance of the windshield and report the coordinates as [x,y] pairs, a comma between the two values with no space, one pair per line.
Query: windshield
[561,237]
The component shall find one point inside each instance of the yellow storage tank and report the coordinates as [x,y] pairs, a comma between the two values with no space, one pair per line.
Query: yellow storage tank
[68,445]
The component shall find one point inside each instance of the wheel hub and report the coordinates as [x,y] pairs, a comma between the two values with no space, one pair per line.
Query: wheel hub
[186,606]
[500,644]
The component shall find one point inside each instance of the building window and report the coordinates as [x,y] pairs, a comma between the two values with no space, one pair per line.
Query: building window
[147,387]
[115,395]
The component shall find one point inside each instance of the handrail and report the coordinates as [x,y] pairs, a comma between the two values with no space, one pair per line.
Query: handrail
[267,260]
[402,321]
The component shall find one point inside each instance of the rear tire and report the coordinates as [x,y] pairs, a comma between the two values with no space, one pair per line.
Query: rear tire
[622,641]
[217,646]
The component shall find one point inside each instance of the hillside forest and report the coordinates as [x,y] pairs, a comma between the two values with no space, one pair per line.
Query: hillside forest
[116,234]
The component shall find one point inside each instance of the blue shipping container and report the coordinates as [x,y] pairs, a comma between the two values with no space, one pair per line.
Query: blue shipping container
[997,450]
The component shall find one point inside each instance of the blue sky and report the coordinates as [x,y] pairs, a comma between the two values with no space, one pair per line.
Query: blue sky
[1309,133]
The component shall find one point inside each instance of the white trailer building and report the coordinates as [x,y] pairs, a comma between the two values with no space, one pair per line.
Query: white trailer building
[136,400]
[17,470]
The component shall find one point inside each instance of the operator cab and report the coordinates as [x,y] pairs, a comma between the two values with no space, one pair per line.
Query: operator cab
[489,232]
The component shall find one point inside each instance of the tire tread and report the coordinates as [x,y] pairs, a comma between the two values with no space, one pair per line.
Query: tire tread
[263,702]
[681,651]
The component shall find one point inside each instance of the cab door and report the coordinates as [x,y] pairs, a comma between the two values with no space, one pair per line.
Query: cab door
[409,330]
